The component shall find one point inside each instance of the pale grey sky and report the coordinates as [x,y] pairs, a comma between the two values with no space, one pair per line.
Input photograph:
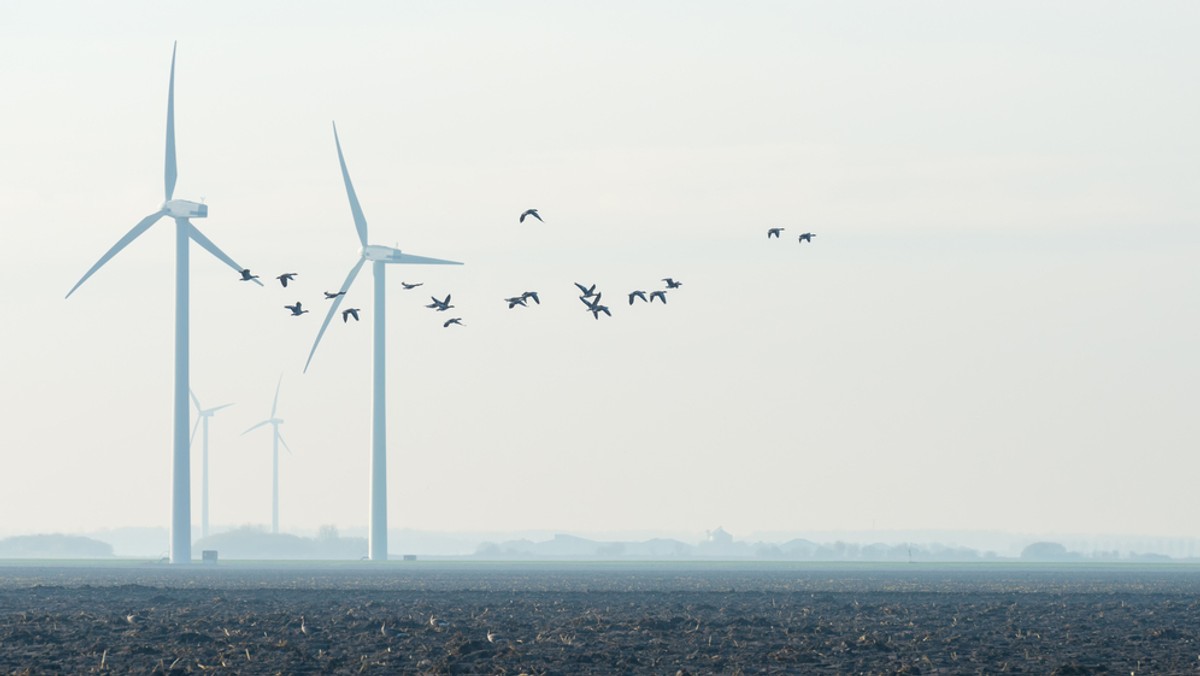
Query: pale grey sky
[995,328]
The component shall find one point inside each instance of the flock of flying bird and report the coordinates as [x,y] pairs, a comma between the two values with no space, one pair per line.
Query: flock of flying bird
[589,296]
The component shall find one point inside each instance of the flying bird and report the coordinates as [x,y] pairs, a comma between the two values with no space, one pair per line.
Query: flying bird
[587,291]
[636,294]
[296,311]
[661,295]
[348,313]
[408,286]
[531,212]
[453,320]
[246,276]
[774,232]
[671,283]
[595,307]
[593,301]
[440,305]
[515,301]
[331,296]
[286,277]
[533,295]
[807,237]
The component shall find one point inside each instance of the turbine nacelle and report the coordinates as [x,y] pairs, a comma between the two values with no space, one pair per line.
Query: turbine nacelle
[378,252]
[184,209]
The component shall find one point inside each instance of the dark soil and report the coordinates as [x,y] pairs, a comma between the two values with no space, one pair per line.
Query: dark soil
[603,619]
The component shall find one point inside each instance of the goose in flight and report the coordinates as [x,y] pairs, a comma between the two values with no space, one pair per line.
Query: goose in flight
[595,307]
[453,320]
[593,301]
[348,313]
[661,295]
[296,309]
[331,296]
[807,237]
[533,296]
[246,276]
[587,291]
[440,305]
[774,232]
[286,277]
[671,283]
[408,286]
[530,212]
[515,301]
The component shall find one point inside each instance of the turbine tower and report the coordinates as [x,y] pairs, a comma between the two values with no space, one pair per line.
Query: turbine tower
[185,233]
[204,414]
[276,439]
[380,257]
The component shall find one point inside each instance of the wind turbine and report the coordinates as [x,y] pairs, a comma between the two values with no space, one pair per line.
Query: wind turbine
[276,439]
[185,233]
[380,257]
[204,414]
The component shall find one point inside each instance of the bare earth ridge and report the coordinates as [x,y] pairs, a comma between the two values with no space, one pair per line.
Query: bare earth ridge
[583,618]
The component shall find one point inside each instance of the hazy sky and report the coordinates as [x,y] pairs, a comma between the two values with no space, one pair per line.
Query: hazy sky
[995,328]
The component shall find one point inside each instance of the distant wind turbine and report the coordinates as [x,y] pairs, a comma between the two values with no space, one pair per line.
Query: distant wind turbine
[203,414]
[185,233]
[276,439]
[380,256]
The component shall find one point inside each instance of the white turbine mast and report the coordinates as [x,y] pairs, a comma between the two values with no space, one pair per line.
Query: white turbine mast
[202,415]
[276,439]
[185,233]
[381,256]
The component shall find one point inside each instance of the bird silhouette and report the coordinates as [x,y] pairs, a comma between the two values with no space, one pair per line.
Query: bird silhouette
[331,296]
[246,276]
[595,307]
[296,309]
[774,232]
[408,286]
[515,301]
[636,294]
[807,237]
[530,212]
[453,320]
[671,283]
[593,301]
[533,296]
[661,295]
[286,277]
[587,291]
[348,313]
[440,305]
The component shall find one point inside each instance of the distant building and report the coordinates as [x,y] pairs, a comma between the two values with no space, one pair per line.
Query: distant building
[718,537]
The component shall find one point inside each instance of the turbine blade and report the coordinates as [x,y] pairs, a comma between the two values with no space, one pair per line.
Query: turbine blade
[218,408]
[360,221]
[333,309]
[254,427]
[169,172]
[195,400]
[285,446]
[275,404]
[194,428]
[214,249]
[403,258]
[133,234]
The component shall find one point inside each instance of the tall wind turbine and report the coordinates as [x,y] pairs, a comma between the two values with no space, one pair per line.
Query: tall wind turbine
[203,415]
[380,256]
[185,232]
[276,439]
